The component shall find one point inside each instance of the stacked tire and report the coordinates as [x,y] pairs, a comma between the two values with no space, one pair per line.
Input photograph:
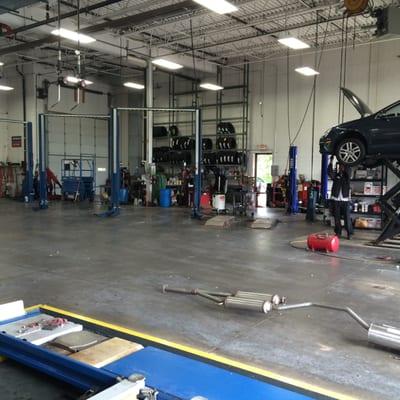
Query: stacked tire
[161,154]
[182,143]
[231,158]
[180,157]
[225,128]
[226,143]
[210,159]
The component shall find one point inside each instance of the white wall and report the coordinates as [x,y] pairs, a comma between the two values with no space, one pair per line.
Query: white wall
[66,136]
[373,72]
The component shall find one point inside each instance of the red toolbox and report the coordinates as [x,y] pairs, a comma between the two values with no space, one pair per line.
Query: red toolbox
[323,242]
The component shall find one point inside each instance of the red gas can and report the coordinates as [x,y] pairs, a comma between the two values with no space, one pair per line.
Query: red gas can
[323,242]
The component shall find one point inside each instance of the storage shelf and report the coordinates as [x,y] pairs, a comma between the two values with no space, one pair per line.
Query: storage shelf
[364,195]
[366,214]
[365,180]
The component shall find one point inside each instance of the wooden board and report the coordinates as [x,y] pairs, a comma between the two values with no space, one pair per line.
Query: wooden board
[106,352]
[220,221]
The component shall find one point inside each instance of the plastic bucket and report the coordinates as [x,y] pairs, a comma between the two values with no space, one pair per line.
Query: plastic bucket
[165,198]
[123,195]
[219,202]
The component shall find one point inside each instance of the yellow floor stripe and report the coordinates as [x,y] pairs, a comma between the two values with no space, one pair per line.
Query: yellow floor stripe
[209,356]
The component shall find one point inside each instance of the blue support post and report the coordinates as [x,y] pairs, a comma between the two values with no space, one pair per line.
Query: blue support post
[293,206]
[198,165]
[43,203]
[115,176]
[324,176]
[29,195]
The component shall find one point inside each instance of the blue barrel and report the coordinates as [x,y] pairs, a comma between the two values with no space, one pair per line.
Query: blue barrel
[165,197]
[123,195]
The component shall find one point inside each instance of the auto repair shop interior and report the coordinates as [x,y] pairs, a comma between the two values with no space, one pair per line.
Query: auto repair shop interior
[199,199]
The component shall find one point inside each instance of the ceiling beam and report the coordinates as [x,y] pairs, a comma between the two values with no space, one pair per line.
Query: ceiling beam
[171,10]
[83,10]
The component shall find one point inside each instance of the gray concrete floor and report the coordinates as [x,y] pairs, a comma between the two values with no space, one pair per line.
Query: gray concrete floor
[112,269]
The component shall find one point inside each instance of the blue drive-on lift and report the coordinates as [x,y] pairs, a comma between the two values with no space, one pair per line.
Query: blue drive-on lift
[176,372]
[114,156]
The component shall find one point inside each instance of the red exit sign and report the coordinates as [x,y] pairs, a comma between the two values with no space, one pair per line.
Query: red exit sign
[16,141]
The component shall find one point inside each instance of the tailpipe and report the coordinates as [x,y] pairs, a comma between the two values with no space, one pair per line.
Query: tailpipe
[384,335]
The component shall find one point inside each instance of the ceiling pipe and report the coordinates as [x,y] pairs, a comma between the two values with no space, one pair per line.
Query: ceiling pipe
[83,10]
[101,44]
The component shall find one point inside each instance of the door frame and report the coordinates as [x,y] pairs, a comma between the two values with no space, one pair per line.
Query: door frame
[255,174]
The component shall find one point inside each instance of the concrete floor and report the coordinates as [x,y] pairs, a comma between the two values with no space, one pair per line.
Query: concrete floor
[112,269]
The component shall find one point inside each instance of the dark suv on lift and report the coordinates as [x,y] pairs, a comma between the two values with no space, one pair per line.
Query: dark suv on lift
[367,140]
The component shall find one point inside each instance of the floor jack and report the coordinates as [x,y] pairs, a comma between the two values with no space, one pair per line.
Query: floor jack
[380,334]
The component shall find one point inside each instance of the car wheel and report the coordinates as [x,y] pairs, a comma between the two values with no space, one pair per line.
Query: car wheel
[350,152]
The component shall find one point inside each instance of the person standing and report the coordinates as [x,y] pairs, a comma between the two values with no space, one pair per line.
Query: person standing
[340,197]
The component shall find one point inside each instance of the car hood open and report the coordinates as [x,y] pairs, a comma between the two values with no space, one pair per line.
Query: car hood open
[357,103]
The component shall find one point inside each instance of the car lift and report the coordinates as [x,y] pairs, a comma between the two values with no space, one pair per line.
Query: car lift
[161,370]
[390,203]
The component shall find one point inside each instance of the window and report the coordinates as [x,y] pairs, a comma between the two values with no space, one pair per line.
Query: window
[391,112]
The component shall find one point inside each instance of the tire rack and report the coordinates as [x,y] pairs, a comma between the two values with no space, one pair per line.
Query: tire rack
[242,120]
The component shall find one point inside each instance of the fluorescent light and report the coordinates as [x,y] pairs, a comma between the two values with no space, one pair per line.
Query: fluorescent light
[307,71]
[74,79]
[6,88]
[161,62]
[134,85]
[74,36]
[293,43]
[218,6]
[101,169]
[210,86]
[1,63]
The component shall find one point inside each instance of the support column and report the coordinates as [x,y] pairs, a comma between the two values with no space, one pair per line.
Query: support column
[43,203]
[149,134]
[293,206]
[198,165]
[29,163]
[115,175]
[324,176]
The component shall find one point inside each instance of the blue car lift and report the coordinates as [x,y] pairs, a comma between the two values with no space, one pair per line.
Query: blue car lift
[176,371]
[28,182]
[42,118]
[114,162]
[293,205]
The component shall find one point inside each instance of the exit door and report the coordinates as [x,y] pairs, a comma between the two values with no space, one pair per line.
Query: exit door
[263,177]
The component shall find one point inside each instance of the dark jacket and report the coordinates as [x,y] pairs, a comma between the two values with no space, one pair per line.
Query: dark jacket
[341,181]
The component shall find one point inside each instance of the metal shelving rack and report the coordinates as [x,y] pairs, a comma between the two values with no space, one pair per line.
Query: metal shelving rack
[382,181]
[241,122]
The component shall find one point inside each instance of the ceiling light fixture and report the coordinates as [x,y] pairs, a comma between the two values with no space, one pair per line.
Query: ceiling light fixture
[307,71]
[6,88]
[134,85]
[161,62]
[293,43]
[75,80]
[218,6]
[1,63]
[210,86]
[72,35]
